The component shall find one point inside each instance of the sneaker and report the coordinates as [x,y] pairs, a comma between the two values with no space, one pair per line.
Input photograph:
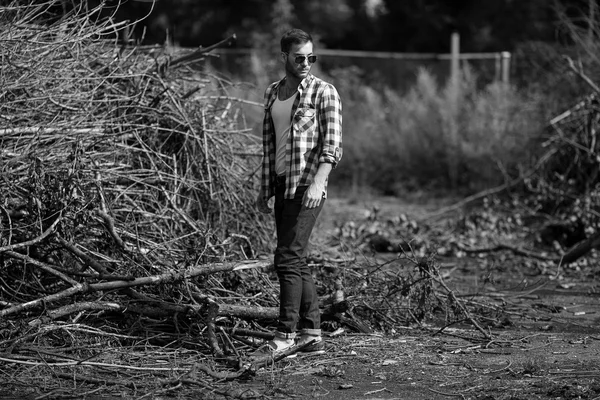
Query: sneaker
[318,347]
[273,348]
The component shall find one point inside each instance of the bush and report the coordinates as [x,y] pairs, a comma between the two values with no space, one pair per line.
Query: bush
[394,141]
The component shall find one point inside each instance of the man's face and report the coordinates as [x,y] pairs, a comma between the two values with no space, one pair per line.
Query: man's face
[302,69]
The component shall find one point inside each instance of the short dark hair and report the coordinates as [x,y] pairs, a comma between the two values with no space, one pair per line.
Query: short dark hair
[294,36]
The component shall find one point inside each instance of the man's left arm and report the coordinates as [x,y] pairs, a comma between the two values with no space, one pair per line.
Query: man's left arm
[330,127]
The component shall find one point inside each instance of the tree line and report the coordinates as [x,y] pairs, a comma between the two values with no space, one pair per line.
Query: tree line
[379,25]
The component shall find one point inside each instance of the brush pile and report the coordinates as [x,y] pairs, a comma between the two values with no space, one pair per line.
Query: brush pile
[567,182]
[120,168]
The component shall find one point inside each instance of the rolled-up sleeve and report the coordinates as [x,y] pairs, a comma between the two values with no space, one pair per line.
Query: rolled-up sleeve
[330,125]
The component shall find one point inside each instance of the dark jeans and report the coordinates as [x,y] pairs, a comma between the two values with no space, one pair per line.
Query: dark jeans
[299,304]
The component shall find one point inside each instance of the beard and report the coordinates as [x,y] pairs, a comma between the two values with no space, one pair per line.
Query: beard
[295,70]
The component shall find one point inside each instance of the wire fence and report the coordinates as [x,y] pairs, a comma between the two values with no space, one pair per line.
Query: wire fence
[396,70]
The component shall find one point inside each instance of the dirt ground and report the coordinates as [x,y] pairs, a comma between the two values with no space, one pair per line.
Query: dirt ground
[527,364]
[555,357]
[548,348]
[545,346]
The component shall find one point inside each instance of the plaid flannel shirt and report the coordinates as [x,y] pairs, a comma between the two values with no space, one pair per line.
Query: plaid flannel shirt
[315,135]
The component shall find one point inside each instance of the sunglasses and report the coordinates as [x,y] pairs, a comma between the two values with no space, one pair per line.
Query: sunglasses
[300,59]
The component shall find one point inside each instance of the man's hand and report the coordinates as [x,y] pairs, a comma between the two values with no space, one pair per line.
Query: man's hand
[316,191]
[313,195]
[262,204]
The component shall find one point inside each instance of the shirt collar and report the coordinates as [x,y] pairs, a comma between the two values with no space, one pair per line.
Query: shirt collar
[306,81]
[303,84]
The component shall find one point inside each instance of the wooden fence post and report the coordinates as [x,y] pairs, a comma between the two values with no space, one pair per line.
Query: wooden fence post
[453,159]
[498,67]
[506,56]
[454,57]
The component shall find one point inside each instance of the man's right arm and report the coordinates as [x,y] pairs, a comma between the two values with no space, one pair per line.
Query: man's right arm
[263,193]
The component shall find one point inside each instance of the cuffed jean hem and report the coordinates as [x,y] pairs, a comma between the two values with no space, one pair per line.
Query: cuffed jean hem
[284,335]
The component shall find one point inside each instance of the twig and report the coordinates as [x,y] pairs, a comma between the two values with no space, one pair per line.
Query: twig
[49,328]
[243,101]
[447,394]
[269,360]
[198,54]
[10,227]
[46,267]
[91,364]
[207,154]
[248,332]
[84,306]
[229,342]
[376,391]
[501,369]
[37,240]
[211,315]
[437,278]
[581,74]
[96,266]
[110,225]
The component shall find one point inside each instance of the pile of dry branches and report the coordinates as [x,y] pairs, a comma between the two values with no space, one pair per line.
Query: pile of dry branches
[567,182]
[120,168]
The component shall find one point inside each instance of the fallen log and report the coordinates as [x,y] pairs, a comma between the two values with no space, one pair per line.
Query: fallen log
[504,246]
[168,277]
[340,312]
[580,249]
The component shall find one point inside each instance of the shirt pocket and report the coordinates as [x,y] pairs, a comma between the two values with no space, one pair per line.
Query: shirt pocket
[305,128]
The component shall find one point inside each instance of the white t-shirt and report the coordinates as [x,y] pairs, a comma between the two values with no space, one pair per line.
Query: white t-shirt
[282,121]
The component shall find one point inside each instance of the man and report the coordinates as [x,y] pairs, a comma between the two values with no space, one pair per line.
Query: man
[302,143]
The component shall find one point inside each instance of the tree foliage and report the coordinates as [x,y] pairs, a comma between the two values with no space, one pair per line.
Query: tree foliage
[387,25]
